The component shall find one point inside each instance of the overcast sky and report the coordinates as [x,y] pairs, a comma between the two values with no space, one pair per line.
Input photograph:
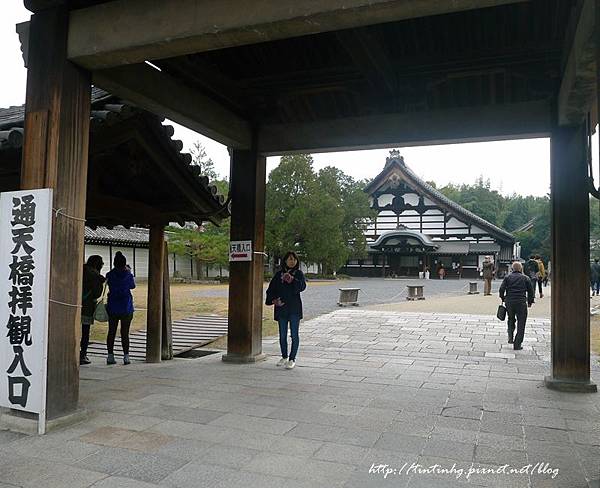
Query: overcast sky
[520,166]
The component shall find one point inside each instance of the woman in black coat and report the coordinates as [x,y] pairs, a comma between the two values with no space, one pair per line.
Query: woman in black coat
[284,293]
[93,284]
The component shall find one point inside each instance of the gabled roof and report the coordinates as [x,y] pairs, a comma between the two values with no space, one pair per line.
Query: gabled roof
[527,226]
[402,233]
[136,169]
[395,165]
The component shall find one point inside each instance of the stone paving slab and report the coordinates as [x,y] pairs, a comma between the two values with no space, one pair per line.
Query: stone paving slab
[425,394]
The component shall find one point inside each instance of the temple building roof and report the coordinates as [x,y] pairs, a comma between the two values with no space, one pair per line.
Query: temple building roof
[397,171]
[137,173]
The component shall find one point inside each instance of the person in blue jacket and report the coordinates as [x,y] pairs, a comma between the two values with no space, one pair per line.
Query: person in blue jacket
[284,294]
[119,306]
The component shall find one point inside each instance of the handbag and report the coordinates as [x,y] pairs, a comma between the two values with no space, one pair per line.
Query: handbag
[100,313]
[501,313]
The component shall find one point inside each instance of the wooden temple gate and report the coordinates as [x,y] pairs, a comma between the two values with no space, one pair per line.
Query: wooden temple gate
[299,75]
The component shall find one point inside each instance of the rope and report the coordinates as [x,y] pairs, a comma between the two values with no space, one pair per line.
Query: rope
[396,296]
[63,303]
[59,211]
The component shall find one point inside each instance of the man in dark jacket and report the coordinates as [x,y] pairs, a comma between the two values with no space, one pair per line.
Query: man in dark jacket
[517,293]
[93,284]
[532,270]
[595,277]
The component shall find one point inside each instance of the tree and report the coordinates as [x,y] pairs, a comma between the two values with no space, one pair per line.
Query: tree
[289,190]
[207,244]
[478,198]
[200,158]
[322,216]
[537,240]
[354,203]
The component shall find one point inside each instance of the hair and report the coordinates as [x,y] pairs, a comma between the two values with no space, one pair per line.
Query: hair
[287,255]
[518,267]
[595,260]
[95,262]
[532,256]
[119,260]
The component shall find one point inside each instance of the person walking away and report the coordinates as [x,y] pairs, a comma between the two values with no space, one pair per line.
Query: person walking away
[284,294]
[531,270]
[441,272]
[595,277]
[93,284]
[489,270]
[517,292]
[541,274]
[119,306]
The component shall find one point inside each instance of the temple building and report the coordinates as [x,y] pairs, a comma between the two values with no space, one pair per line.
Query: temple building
[418,229]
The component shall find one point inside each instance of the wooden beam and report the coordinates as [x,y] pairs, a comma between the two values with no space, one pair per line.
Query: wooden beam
[371,58]
[55,155]
[153,29]
[244,338]
[101,207]
[162,94]
[578,86]
[156,263]
[570,261]
[483,123]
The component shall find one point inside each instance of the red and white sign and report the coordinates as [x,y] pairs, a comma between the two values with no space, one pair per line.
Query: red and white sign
[240,251]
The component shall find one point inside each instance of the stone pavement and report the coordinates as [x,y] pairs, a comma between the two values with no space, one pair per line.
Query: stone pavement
[373,391]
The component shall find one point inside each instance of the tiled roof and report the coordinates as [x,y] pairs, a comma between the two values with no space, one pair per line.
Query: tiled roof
[484,247]
[526,226]
[453,248]
[117,235]
[106,110]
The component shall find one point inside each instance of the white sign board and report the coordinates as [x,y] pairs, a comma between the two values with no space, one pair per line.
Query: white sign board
[25,231]
[240,251]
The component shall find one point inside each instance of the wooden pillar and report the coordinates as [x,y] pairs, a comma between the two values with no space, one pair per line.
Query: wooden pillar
[570,261]
[55,155]
[244,340]
[156,262]
[167,326]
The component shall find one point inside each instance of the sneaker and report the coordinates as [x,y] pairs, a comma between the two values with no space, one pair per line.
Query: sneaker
[110,359]
[290,364]
[84,360]
[518,348]
[282,362]
[126,359]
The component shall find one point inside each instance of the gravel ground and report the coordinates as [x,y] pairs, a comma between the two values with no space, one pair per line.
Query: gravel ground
[321,297]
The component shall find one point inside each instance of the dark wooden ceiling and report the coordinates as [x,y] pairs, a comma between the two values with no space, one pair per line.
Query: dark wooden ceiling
[510,53]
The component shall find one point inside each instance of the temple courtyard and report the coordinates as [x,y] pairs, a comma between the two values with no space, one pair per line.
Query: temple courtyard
[378,399]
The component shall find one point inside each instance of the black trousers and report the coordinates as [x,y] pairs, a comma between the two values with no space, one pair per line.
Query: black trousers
[113,323]
[539,282]
[85,339]
[517,312]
